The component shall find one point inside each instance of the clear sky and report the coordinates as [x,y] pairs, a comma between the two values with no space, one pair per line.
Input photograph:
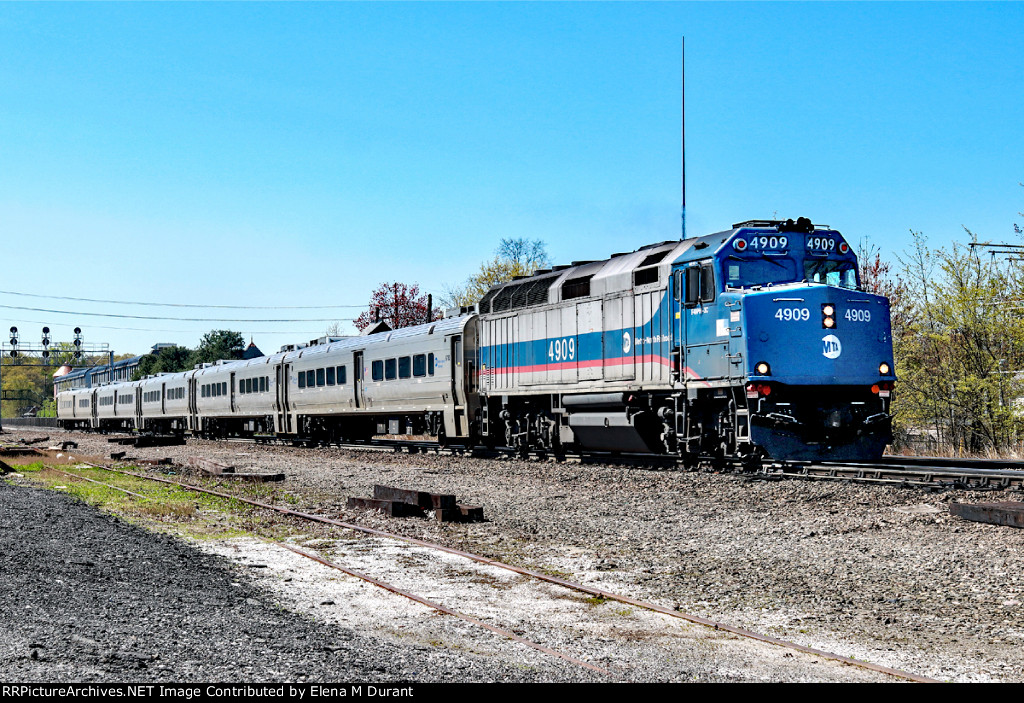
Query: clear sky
[292,154]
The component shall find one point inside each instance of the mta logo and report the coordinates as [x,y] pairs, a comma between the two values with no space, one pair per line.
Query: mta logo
[831,346]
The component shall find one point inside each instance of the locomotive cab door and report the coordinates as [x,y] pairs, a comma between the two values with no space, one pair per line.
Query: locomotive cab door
[678,325]
[706,335]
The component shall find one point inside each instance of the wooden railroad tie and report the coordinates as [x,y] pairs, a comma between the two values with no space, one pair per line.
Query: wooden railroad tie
[402,502]
[215,468]
[1008,513]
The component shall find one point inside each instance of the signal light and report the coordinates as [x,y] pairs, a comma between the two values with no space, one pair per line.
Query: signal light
[828,316]
[14,353]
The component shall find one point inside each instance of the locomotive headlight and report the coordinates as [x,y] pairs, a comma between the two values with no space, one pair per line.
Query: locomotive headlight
[762,368]
[828,316]
[884,369]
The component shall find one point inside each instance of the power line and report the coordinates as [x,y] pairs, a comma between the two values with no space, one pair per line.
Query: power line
[174,319]
[183,305]
[149,329]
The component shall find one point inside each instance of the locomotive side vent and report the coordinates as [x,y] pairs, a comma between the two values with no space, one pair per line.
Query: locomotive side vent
[576,288]
[645,276]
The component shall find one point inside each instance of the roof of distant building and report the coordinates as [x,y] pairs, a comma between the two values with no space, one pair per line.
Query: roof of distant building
[252,351]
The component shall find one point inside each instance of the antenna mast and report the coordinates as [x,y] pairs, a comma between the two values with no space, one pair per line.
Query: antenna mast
[684,138]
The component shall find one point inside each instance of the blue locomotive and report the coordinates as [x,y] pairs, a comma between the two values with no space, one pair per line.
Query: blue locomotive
[749,343]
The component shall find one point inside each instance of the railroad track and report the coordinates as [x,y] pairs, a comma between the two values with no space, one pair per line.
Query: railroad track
[921,472]
[588,590]
[932,473]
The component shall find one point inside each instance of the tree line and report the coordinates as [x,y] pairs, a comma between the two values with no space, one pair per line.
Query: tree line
[214,345]
[958,338]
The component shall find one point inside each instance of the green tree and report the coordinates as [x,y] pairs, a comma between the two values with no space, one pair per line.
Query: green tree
[961,348]
[219,344]
[513,257]
[167,360]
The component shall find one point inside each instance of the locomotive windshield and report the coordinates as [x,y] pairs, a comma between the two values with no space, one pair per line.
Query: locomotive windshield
[770,259]
[740,273]
[833,273]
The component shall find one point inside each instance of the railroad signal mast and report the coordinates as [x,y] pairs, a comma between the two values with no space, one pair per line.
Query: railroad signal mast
[49,354]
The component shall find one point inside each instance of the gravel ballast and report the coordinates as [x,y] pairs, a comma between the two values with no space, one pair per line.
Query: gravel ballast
[872,572]
[90,598]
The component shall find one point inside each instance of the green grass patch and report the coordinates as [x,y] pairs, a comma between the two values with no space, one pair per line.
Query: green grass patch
[159,506]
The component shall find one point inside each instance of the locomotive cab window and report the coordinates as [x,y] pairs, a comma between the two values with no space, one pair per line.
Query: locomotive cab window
[832,273]
[700,285]
[743,273]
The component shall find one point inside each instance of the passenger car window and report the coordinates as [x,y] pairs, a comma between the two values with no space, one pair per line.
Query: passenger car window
[430,364]
[310,378]
[419,365]
[319,377]
[341,376]
[330,375]
[377,371]
[390,369]
[404,367]
[302,379]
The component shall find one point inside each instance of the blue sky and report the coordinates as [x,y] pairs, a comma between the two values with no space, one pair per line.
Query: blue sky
[291,154]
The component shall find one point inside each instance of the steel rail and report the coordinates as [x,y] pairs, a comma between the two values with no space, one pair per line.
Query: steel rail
[607,595]
[446,610]
[105,485]
[376,582]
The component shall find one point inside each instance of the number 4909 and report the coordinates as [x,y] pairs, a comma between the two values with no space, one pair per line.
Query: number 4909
[793,314]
